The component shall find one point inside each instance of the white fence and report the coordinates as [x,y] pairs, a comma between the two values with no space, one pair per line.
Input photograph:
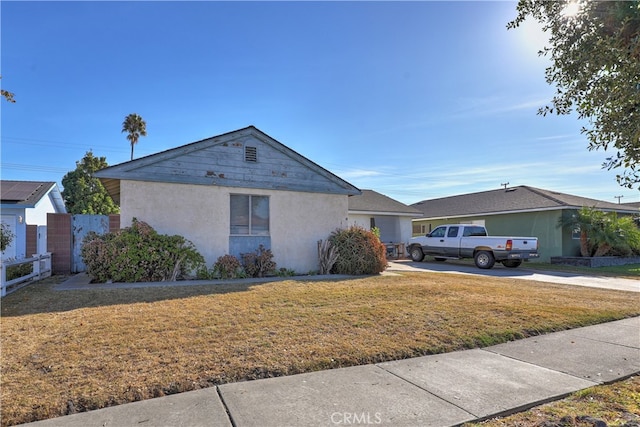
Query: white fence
[41,269]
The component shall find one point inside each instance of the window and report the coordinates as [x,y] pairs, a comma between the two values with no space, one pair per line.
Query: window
[575,233]
[438,232]
[453,232]
[474,232]
[249,215]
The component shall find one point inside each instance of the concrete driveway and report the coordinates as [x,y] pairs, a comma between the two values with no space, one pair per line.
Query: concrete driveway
[521,273]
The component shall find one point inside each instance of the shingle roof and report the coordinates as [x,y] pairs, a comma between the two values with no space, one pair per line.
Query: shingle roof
[513,199]
[24,193]
[371,201]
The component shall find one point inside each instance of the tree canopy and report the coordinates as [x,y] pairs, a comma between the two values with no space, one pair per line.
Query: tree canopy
[7,95]
[136,127]
[84,194]
[594,47]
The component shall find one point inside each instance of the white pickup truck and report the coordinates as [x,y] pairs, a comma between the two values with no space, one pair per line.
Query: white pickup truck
[457,241]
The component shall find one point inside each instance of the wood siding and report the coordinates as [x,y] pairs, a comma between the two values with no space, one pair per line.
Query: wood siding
[222,161]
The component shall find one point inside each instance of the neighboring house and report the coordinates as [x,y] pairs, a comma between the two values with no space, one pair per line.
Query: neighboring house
[516,211]
[632,205]
[392,218]
[230,193]
[25,205]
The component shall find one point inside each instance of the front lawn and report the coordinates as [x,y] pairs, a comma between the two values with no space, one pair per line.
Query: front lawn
[628,271]
[615,405]
[81,350]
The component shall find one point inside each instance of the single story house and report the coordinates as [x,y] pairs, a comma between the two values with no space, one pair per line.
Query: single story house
[25,205]
[391,217]
[515,211]
[632,205]
[230,193]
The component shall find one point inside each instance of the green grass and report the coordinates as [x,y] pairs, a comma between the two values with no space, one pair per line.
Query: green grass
[631,271]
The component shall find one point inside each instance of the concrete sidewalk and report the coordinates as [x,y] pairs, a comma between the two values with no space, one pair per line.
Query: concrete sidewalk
[439,390]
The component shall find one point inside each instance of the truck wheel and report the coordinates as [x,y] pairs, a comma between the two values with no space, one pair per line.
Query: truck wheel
[416,254]
[484,259]
[513,263]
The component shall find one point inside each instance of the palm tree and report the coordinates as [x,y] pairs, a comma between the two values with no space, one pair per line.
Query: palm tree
[601,233]
[136,127]
[582,221]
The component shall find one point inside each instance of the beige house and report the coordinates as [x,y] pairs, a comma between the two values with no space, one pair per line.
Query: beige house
[231,193]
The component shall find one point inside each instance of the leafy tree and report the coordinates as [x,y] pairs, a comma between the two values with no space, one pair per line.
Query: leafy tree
[6,236]
[136,127]
[7,95]
[594,47]
[84,194]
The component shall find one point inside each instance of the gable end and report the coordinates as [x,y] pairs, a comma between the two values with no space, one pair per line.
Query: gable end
[245,158]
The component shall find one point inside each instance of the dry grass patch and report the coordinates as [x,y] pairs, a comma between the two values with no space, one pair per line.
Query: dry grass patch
[616,405]
[79,350]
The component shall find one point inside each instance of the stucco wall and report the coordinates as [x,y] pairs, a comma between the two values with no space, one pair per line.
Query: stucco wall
[201,214]
[393,229]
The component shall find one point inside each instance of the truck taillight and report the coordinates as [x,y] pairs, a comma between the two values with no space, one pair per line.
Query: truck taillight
[509,245]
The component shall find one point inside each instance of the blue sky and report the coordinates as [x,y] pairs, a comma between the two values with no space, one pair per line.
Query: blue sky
[416,100]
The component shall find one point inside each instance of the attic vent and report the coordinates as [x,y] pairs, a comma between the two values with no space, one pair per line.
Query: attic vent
[250,154]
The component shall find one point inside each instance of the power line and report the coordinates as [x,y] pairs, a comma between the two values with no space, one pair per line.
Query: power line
[33,168]
[70,145]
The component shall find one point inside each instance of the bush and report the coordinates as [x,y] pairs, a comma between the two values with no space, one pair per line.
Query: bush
[227,267]
[138,254]
[603,233]
[15,271]
[258,263]
[359,252]
[6,236]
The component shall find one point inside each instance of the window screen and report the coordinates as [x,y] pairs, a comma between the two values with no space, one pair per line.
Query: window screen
[249,215]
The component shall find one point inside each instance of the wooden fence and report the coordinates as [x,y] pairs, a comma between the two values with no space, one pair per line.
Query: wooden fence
[41,269]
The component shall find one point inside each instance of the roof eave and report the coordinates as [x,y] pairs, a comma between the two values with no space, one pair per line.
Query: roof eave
[385,213]
[553,208]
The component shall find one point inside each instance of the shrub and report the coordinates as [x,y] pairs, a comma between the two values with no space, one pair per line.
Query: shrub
[6,236]
[328,256]
[603,233]
[227,267]
[286,272]
[15,271]
[359,252]
[138,254]
[258,263]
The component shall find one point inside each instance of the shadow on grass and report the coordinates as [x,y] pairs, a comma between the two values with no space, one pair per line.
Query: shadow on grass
[49,296]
